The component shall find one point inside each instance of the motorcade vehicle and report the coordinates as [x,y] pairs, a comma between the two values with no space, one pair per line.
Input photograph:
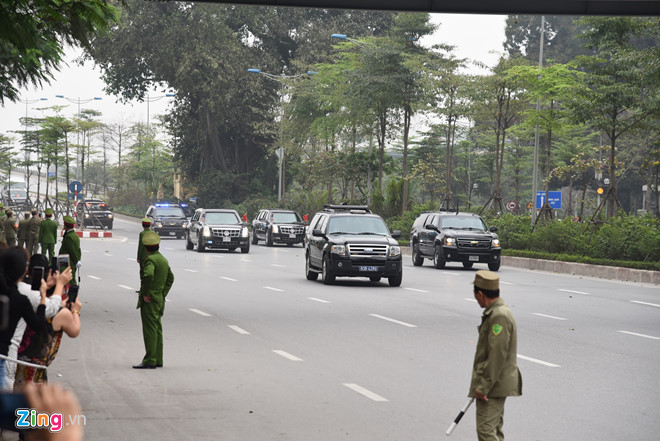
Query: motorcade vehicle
[217,229]
[168,219]
[453,236]
[14,193]
[278,226]
[94,212]
[351,241]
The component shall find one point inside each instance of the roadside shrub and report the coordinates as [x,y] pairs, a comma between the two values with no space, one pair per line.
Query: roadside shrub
[405,221]
[628,238]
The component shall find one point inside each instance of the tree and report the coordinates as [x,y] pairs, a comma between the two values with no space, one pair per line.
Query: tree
[34,32]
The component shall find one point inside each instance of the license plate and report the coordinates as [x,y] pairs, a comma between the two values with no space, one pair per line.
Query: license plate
[368,268]
[292,236]
[474,258]
[172,233]
[226,239]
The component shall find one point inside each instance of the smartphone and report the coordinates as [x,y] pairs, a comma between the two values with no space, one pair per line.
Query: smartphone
[73,293]
[53,264]
[62,262]
[37,275]
[9,403]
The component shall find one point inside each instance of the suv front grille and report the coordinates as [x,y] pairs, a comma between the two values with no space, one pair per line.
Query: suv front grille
[226,232]
[292,230]
[473,243]
[367,250]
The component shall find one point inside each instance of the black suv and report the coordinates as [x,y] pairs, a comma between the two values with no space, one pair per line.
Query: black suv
[350,241]
[217,228]
[94,213]
[168,220]
[278,226]
[454,237]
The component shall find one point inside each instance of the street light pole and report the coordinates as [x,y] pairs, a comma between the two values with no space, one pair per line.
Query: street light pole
[535,170]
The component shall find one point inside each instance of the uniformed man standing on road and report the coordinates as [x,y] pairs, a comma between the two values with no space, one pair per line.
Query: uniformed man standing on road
[10,229]
[141,251]
[3,216]
[33,238]
[156,283]
[48,234]
[495,373]
[71,246]
[23,232]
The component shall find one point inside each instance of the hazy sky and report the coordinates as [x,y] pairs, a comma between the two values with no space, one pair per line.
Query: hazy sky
[477,37]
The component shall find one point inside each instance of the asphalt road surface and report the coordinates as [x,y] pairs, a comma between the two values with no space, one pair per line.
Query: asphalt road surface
[255,352]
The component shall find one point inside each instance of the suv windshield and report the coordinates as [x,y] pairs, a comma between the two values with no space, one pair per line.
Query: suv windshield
[357,225]
[221,218]
[462,223]
[285,217]
[170,212]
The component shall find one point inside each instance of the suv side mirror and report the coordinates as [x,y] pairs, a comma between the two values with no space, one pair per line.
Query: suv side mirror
[396,234]
[431,227]
[317,232]
[493,229]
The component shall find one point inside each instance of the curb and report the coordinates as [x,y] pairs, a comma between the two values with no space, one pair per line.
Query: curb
[577,269]
[90,233]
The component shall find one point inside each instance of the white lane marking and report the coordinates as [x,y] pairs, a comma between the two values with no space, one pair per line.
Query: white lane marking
[471,300]
[451,274]
[86,251]
[191,270]
[416,290]
[640,335]
[548,316]
[108,254]
[393,320]
[535,360]
[229,278]
[246,260]
[239,330]
[126,287]
[273,289]
[278,265]
[131,259]
[645,303]
[170,249]
[197,311]
[318,300]
[367,393]
[287,355]
[506,283]
[94,277]
[574,292]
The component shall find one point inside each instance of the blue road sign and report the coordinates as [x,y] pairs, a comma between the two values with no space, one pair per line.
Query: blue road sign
[75,186]
[554,199]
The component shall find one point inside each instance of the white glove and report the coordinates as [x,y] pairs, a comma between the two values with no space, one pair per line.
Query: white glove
[78,265]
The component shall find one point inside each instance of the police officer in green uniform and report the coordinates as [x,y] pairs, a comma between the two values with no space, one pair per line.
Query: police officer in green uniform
[3,216]
[157,280]
[10,229]
[23,232]
[48,234]
[33,229]
[71,246]
[141,251]
[495,373]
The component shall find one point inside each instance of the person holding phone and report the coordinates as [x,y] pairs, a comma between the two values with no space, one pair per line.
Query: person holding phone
[71,246]
[13,267]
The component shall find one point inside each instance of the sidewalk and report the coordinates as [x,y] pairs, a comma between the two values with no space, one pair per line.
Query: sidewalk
[577,269]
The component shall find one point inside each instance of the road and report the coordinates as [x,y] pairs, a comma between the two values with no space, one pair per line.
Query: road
[254,351]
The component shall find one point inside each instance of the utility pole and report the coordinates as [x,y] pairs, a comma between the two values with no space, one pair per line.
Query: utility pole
[535,170]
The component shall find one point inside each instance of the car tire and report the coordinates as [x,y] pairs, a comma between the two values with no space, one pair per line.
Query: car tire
[375,278]
[310,274]
[494,266]
[255,239]
[110,227]
[468,265]
[327,276]
[416,258]
[396,280]
[245,249]
[269,239]
[438,258]
[189,244]
[200,245]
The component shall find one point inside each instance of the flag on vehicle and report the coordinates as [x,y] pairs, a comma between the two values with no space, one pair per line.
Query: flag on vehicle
[245,217]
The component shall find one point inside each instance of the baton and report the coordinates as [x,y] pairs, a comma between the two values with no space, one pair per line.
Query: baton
[459,416]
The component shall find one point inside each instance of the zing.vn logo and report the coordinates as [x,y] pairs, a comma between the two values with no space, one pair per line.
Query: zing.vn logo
[31,419]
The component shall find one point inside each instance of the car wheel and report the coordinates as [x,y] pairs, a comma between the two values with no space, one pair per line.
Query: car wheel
[494,266]
[200,245]
[375,278]
[189,244]
[396,280]
[255,239]
[438,258]
[416,258]
[309,272]
[110,227]
[327,276]
[468,264]
[269,239]
[245,249]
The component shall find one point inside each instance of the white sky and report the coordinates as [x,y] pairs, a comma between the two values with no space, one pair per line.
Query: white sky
[477,37]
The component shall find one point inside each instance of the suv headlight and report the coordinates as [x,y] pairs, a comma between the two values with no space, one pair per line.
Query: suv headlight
[450,241]
[184,225]
[275,229]
[244,232]
[109,216]
[395,251]
[206,231]
[340,250]
[159,225]
[496,243]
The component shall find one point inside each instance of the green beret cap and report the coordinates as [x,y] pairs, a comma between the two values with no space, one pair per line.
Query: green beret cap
[49,211]
[150,238]
[487,280]
[69,220]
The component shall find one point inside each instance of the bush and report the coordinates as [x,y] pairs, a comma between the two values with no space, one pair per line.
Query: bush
[405,221]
